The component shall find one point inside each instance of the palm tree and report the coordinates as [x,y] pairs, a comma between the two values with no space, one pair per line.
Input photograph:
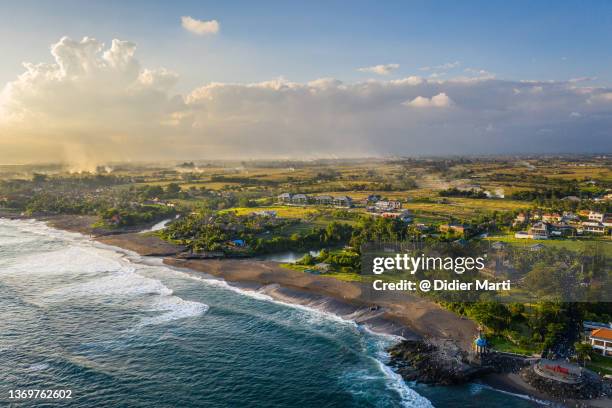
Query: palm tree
[583,352]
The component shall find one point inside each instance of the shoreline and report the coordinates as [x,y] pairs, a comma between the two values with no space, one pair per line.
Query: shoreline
[411,318]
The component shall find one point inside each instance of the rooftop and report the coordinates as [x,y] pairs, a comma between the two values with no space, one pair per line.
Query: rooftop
[602,333]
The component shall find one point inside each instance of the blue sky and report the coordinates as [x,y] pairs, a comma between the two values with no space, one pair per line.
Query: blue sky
[307,40]
[204,79]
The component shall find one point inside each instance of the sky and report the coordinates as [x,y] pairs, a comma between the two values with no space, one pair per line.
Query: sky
[99,81]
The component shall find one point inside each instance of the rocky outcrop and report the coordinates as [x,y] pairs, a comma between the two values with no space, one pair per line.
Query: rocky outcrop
[429,363]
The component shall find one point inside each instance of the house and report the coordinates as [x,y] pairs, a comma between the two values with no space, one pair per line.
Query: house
[388,205]
[596,216]
[539,230]
[601,340]
[324,200]
[551,217]
[594,227]
[569,217]
[299,199]
[561,230]
[284,198]
[343,201]
[372,198]
[521,218]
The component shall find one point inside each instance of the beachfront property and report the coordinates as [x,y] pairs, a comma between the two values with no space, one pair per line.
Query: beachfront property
[601,340]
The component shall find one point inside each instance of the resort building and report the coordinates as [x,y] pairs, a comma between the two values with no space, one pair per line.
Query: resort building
[601,340]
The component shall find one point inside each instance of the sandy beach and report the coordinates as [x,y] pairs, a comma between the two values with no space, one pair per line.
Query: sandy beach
[402,314]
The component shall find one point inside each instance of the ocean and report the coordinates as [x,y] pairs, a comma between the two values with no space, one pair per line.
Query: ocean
[120,330]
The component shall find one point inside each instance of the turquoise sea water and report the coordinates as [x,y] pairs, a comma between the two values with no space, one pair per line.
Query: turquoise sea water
[122,331]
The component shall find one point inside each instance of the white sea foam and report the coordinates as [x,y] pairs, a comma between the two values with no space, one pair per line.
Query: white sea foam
[97,272]
[70,259]
[117,275]
[480,386]
[174,308]
[119,284]
[395,382]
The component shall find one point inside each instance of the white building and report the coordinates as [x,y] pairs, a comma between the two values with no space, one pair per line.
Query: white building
[594,227]
[601,340]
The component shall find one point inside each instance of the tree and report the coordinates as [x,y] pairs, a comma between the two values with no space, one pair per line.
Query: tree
[583,352]
[173,189]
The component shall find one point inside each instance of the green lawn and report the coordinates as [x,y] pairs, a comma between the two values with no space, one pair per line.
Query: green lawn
[503,344]
[573,244]
[600,364]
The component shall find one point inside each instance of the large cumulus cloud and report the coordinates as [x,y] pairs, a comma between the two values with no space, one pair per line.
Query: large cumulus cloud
[97,101]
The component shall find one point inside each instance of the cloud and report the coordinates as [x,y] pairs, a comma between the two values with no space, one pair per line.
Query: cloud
[445,66]
[200,27]
[480,73]
[95,103]
[385,69]
[440,100]
[93,100]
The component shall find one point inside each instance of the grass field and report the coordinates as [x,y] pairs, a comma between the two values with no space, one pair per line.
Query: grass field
[283,211]
[567,243]
[600,364]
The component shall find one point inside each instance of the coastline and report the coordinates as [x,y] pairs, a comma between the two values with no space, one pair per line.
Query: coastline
[409,317]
